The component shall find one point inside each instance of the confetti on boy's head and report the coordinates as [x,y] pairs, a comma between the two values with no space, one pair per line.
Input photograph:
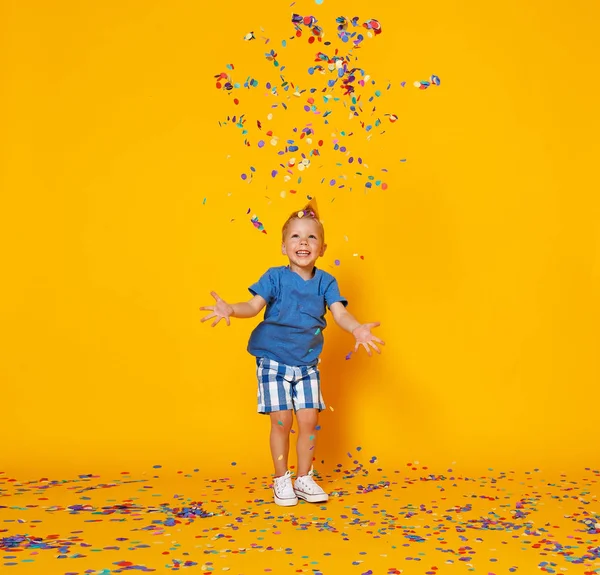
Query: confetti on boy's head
[308,211]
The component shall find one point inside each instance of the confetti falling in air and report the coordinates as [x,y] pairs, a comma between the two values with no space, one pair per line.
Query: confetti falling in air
[258,225]
[335,90]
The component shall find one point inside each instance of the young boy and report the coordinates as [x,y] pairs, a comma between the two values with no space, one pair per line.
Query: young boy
[287,345]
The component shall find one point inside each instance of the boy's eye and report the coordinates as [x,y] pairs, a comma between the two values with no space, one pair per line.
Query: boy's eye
[312,236]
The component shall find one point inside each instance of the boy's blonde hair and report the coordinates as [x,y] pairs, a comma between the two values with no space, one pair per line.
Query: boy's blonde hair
[308,211]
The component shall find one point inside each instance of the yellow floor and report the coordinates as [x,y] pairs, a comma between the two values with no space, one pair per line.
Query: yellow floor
[412,520]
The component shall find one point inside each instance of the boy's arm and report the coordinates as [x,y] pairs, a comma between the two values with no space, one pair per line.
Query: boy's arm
[248,308]
[343,317]
[361,331]
[223,310]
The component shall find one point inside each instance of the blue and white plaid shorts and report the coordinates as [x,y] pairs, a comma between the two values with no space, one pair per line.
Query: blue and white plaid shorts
[282,387]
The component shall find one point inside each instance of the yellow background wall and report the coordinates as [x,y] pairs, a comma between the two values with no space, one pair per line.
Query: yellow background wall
[481,259]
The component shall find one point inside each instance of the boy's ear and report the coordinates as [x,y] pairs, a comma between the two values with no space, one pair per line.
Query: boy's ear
[323,249]
[283,250]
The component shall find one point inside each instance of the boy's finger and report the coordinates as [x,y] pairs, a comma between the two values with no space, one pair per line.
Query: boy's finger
[207,317]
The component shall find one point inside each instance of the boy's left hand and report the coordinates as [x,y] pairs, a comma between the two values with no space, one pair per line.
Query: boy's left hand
[364,337]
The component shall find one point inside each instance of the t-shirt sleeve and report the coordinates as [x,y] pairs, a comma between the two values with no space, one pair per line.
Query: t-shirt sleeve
[265,286]
[332,294]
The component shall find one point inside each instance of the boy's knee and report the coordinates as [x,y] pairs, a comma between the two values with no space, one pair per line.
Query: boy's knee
[307,418]
[281,421]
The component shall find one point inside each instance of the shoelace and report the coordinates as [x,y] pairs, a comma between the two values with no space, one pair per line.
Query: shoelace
[310,473]
[279,481]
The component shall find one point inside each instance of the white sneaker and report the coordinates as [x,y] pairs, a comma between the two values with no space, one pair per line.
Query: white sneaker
[283,492]
[306,488]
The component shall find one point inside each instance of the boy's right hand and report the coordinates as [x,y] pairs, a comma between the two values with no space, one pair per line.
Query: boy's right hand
[221,310]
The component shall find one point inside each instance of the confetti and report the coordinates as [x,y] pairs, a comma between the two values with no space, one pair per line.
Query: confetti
[258,224]
[391,516]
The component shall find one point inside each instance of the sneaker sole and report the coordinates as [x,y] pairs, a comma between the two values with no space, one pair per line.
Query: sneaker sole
[312,498]
[285,502]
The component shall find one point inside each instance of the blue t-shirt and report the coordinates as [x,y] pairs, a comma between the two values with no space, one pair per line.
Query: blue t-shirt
[292,329]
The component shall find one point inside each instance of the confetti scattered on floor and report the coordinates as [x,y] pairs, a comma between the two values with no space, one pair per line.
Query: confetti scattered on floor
[408,520]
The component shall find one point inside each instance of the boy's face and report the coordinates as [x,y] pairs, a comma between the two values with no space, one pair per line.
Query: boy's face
[303,243]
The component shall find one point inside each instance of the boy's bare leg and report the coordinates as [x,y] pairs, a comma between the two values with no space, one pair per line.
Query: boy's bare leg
[307,438]
[281,424]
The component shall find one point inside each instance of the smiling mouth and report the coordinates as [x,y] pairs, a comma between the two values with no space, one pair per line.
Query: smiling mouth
[302,253]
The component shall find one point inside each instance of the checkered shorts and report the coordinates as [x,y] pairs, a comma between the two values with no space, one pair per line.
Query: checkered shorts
[282,387]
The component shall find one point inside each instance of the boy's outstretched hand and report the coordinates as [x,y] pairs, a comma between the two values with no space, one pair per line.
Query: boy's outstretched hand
[364,337]
[221,310]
